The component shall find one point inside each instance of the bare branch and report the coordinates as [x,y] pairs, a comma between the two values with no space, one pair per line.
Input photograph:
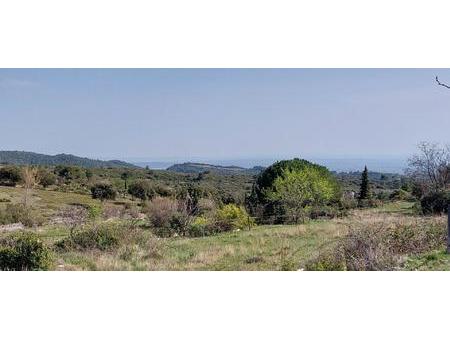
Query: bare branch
[442,84]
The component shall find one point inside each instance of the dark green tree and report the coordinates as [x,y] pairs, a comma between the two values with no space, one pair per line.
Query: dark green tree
[269,207]
[125,176]
[10,176]
[364,190]
[103,191]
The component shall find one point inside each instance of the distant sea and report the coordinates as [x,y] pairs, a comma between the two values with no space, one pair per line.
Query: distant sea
[391,165]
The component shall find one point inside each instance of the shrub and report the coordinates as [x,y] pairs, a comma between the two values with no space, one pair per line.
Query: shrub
[103,191]
[400,195]
[235,216]
[69,173]
[384,195]
[218,226]
[9,176]
[206,206]
[46,178]
[435,203]
[160,211]
[24,251]
[162,214]
[381,246]
[18,213]
[101,238]
[202,226]
[142,189]
[199,227]
[73,216]
[327,212]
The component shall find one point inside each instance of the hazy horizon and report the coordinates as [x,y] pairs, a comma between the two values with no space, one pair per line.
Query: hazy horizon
[223,113]
[386,164]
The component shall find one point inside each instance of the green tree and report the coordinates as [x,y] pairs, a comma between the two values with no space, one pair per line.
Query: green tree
[299,190]
[265,202]
[364,190]
[10,176]
[125,176]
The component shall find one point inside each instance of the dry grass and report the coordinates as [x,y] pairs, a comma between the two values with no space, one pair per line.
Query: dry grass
[375,240]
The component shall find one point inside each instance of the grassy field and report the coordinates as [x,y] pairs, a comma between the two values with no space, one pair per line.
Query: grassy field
[262,248]
[287,247]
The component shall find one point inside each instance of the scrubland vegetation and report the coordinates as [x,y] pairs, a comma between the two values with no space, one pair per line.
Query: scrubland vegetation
[294,215]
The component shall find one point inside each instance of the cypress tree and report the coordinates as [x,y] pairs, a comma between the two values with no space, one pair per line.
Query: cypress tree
[364,192]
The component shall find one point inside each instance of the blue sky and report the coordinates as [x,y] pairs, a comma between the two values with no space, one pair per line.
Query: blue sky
[223,113]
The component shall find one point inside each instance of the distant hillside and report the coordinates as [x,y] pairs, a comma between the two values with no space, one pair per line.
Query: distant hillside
[196,168]
[30,158]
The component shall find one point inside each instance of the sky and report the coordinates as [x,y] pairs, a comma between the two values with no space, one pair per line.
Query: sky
[223,113]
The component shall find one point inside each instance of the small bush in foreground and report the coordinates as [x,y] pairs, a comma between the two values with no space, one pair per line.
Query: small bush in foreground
[382,246]
[24,251]
[235,216]
[164,217]
[202,226]
[101,238]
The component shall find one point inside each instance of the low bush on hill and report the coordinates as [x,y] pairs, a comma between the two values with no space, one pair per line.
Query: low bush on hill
[18,213]
[235,216]
[103,237]
[103,191]
[202,226]
[168,217]
[382,246]
[24,251]
[142,189]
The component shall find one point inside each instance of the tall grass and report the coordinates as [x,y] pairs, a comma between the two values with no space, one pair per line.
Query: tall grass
[381,243]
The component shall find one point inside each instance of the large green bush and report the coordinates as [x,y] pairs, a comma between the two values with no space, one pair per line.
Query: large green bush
[284,190]
[24,251]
